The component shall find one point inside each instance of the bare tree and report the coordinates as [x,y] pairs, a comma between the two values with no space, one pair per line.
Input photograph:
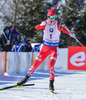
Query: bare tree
[9,10]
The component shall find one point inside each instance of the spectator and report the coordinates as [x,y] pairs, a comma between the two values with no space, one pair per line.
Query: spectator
[16,36]
[27,46]
[6,40]
[24,47]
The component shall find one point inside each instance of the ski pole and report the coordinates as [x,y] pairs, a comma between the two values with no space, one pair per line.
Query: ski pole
[80,43]
[74,37]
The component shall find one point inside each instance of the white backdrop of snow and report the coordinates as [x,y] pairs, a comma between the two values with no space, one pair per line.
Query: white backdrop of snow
[70,85]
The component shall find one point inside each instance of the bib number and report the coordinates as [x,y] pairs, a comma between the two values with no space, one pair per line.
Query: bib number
[50,36]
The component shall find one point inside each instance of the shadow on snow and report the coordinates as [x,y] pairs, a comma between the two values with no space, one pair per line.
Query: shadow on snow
[37,75]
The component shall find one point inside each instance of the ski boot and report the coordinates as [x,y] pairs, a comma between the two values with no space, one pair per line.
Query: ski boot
[23,81]
[51,86]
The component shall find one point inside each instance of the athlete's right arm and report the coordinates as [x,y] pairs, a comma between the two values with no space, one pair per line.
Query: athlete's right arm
[41,25]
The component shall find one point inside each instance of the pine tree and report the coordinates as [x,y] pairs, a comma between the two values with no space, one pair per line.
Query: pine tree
[32,12]
[72,14]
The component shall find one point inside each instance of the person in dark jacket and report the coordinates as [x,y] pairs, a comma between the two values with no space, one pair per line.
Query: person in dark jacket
[23,47]
[16,36]
[6,40]
[27,47]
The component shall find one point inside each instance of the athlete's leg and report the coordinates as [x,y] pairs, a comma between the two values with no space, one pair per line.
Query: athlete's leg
[53,57]
[41,56]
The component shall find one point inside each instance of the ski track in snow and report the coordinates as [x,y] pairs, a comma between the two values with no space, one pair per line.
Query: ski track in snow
[68,86]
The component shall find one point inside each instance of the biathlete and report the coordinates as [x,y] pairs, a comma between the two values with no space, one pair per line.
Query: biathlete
[52,30]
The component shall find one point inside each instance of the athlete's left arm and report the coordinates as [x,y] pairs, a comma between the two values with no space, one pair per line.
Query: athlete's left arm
[62,29]
[65,31]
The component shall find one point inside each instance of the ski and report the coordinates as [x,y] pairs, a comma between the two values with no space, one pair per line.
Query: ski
[16,86]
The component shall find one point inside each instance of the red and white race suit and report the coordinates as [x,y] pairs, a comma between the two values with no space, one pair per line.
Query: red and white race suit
[50,44]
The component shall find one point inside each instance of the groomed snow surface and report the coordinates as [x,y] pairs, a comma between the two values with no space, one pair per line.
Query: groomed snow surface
[70,85]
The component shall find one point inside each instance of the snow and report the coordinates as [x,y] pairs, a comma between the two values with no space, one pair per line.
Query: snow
[70,85]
